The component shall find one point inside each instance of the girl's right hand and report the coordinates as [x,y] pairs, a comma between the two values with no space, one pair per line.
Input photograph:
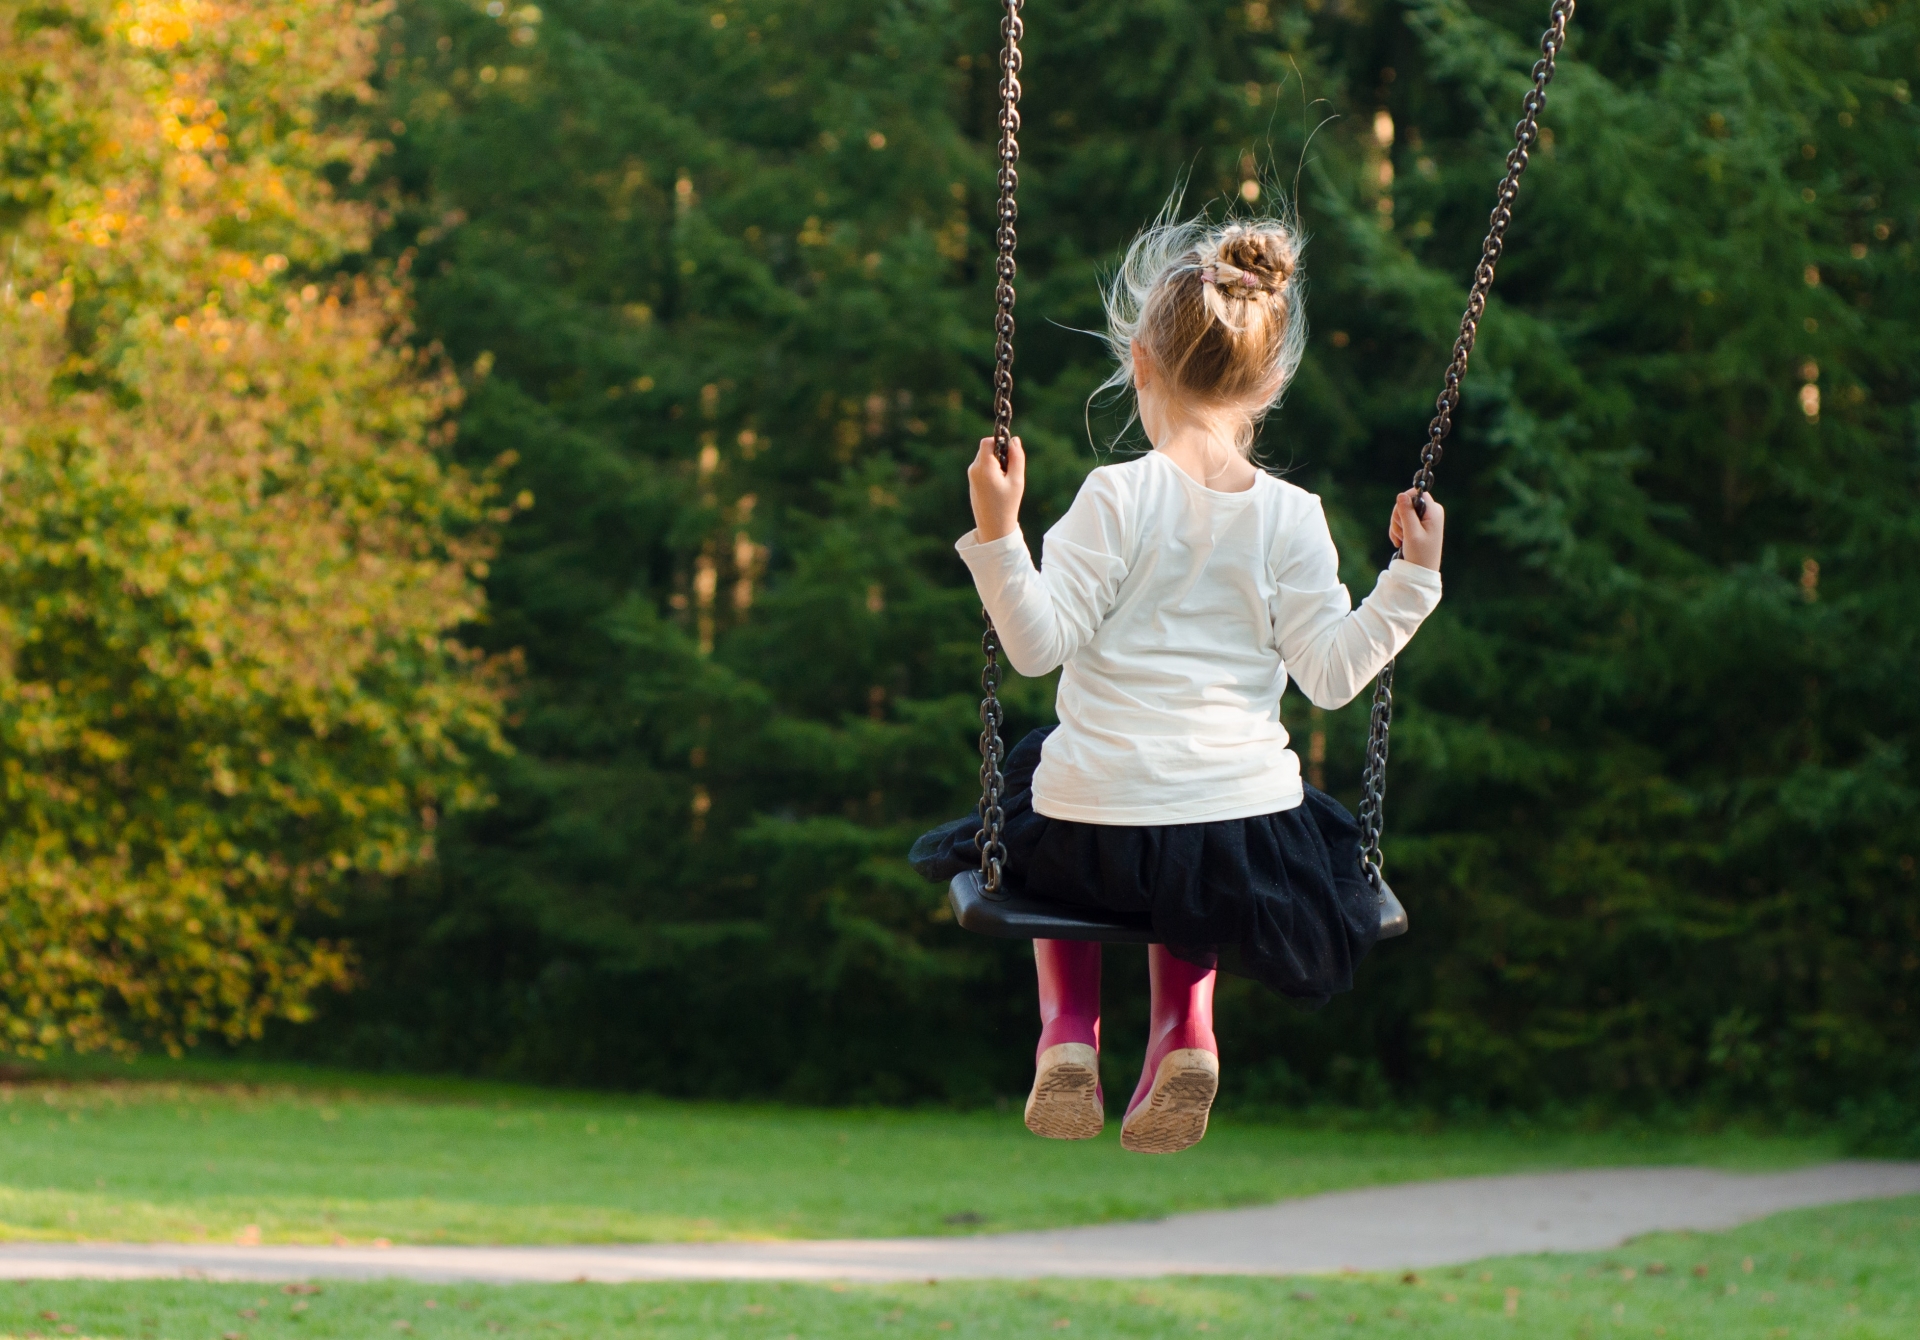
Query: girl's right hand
[1418,538]
[996,492]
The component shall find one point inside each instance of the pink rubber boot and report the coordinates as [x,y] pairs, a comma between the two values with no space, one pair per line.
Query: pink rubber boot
[1066,1103]
[1182,1071]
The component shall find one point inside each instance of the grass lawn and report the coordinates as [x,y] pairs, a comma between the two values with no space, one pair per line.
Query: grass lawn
[180,1153]
[1844,1273]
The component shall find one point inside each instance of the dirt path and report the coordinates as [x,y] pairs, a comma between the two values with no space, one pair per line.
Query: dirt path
[1382,1228]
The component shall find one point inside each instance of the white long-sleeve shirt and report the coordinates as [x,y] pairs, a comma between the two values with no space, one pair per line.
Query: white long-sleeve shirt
[1178,613]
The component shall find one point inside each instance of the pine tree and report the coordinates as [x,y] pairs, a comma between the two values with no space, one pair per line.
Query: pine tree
[720,277]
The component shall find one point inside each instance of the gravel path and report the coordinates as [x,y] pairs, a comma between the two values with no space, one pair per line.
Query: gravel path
[1380,1228]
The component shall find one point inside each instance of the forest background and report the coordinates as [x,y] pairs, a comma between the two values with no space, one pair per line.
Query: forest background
[714,282]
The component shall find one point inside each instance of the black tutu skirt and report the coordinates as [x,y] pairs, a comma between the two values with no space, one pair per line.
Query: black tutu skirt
[1277,897]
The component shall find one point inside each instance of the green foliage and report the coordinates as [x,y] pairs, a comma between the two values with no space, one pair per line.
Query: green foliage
[1672,837]
[1882,1126]
[720,276]
[233,556]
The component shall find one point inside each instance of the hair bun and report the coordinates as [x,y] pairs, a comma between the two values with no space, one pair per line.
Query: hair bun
[1267,253]
[1217,307]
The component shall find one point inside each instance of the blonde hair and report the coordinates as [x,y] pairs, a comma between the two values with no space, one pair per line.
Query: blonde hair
[1219,308]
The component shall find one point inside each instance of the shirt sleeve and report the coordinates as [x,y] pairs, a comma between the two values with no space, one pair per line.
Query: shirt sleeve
[1044,615]
[1330,649]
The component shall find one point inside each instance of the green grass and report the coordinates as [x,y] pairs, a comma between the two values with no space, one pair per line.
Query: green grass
[1844,1273]
[186,1153]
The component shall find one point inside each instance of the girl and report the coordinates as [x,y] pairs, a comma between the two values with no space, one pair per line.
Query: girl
[1180,592]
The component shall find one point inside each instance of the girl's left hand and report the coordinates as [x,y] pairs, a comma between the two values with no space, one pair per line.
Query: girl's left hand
[1418,538]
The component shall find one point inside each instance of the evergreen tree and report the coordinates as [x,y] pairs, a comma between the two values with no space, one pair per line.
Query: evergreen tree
[720,276]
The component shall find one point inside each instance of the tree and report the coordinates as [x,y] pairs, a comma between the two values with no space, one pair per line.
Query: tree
[726,272]
[232,556]
[716,772]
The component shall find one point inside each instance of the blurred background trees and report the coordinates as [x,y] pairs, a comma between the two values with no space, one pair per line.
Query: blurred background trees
[715,278]
[231,554]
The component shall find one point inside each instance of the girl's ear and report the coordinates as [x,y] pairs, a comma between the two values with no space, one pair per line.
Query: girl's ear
[1142,365]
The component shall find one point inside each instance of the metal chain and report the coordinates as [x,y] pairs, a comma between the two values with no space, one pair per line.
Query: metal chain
[1373,786]
[993,851]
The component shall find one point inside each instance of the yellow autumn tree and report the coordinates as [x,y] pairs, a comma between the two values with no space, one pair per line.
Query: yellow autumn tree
[233,552]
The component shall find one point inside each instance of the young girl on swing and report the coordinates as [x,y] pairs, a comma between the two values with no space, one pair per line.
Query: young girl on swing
[1180,592]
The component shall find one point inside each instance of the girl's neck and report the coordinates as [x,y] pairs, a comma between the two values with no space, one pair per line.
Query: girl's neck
[1203,451]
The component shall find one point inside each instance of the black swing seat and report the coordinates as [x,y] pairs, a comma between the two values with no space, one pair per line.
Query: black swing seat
[1034,919]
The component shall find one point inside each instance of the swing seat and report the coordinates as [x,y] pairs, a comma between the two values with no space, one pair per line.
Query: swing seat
[1034,919]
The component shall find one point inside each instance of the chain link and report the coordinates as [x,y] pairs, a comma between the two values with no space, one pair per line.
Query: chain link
[1373,785]
[993,850]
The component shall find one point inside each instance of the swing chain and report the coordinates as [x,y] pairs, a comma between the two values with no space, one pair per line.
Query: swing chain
[1373,786]
[1006,238]
[1373,781]
[993,850]
[1525,134]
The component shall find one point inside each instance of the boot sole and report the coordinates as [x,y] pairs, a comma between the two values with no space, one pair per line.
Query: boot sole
[1173,1115]
[1065,1102]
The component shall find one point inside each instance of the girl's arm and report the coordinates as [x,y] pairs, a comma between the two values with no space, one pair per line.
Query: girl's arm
[1042,616]
[1330,649]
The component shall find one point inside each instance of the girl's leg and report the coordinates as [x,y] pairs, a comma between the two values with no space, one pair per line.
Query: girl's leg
[1069,973]
[1066,1102]
[1182,1071]
[1182,1008]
